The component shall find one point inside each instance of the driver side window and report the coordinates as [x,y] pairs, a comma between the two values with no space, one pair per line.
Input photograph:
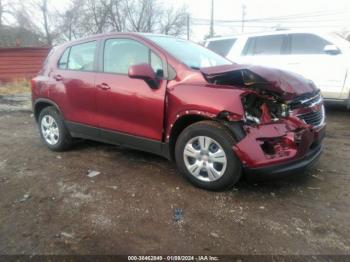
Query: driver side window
[120,54]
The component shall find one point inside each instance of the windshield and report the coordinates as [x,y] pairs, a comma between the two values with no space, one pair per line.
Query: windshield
[191,54]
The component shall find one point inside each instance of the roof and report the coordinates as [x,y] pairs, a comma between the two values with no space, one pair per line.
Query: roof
[93,37]
[276,32]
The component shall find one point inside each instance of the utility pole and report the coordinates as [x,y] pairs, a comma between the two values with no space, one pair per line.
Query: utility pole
[188,26]
[243,16]
[211,32]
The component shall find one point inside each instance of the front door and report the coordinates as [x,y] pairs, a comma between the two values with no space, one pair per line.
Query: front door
[125,105]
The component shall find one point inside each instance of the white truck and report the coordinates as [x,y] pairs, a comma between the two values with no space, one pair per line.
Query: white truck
[321,57]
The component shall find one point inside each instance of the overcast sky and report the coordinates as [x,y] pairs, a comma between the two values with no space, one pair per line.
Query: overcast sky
[328,15]
[300,14]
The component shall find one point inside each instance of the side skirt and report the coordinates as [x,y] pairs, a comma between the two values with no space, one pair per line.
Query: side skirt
[118,138]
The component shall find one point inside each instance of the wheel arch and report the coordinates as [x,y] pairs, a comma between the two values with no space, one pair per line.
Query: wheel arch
[189,118]
[42,103]
[179,125]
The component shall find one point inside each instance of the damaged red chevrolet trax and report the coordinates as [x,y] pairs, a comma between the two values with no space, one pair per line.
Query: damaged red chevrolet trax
[171,97]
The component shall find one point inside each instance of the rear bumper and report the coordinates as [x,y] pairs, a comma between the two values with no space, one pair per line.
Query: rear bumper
[291,167]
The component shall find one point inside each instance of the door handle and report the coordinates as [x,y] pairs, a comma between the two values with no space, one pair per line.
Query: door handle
[58,77]
[104,86]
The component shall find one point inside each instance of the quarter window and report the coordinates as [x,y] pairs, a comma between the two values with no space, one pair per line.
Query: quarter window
[157,64]
[82,57]
[221,47]
[63,62]
[307,44]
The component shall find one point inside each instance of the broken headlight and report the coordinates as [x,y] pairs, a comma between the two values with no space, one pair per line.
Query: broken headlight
[261,110]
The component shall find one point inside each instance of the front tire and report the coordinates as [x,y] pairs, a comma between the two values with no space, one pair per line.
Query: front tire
[204,155]
[53,131]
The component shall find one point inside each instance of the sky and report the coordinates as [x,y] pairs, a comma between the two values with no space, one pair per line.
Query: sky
[322,15]
[325,15]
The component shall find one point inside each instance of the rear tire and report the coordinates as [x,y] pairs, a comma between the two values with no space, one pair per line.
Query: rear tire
[204,155]
[53,131]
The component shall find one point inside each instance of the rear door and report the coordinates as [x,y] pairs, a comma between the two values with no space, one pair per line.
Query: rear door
[264,50]
[74,81]
[306,57]
[127,105]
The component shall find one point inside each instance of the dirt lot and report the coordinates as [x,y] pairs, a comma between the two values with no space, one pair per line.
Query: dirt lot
[48,204]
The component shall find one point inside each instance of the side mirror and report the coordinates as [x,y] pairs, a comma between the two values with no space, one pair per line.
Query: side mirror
[144,72]
[331,49]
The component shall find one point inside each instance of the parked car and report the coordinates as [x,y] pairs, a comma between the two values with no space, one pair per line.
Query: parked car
[322,57]
[174,98]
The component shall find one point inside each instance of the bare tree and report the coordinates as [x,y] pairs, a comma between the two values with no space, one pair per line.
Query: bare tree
[117,15]
[37,16]
[43,6]
[85,17]
[69,25]
[5,8]
[22,14]
[98,13]
[2,9]
[174,22]
[143,15]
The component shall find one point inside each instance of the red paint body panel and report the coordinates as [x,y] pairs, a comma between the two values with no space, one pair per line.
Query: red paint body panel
[289,85]
[252,155]
[202,99]
[75,92]
[143,71]
[130,106]
[119,103]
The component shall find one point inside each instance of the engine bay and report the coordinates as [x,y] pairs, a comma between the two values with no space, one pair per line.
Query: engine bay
[261,105]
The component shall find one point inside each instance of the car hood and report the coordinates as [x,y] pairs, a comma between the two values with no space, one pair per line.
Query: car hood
[287,84]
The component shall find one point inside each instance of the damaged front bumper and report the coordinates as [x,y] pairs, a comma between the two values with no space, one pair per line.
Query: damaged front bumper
[280,148]
[295,166]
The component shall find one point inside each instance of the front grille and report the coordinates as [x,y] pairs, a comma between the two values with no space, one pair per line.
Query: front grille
[314,118]
[306,102]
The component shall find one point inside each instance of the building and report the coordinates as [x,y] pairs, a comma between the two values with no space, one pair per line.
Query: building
[21,62]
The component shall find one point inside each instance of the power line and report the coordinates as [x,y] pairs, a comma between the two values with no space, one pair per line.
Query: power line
[279,18]
[287,26]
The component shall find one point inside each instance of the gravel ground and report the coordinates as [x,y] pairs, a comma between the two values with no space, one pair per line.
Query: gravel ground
[139,204]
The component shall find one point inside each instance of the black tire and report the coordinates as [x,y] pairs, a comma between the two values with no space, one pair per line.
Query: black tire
[221,135]
[64,139]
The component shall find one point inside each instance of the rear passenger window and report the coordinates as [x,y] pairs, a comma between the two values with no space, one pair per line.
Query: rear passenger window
[221,47]
[264,45]
[307,44]
[63,62]
[120,54]
[82,57]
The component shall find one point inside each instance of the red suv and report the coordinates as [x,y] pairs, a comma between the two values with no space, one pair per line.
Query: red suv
[171,97]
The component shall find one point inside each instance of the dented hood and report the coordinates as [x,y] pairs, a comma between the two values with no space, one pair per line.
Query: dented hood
[287,84]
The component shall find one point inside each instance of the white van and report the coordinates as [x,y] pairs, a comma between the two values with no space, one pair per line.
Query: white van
[322,57]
